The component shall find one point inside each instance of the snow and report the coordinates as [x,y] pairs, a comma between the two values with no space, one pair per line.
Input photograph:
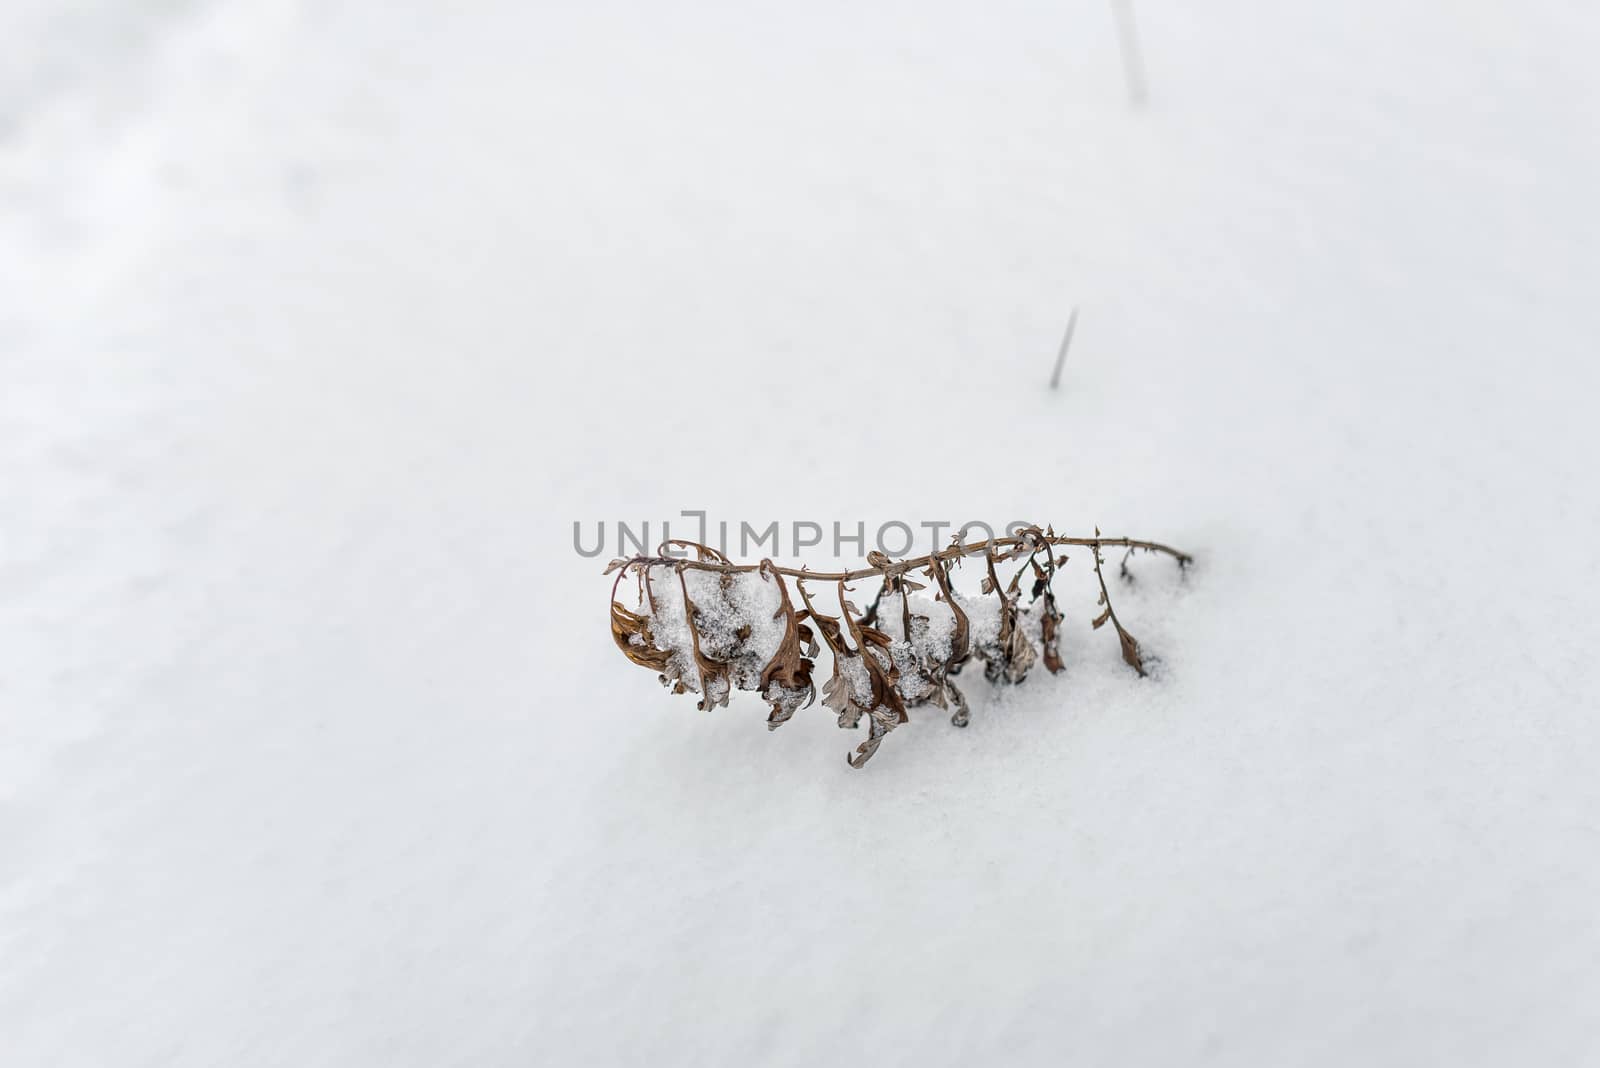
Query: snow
[321,324]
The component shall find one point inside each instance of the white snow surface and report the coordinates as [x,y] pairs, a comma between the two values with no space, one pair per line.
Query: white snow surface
[320,324]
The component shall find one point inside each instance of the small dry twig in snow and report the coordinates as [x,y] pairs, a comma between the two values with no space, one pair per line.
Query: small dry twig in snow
[1066,343]
[709,626]
[1132,59]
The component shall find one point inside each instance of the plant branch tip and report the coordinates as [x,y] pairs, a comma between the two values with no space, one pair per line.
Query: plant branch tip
[735,627]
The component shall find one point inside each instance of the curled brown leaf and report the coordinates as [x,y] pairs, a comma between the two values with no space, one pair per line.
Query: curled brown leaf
[786,680]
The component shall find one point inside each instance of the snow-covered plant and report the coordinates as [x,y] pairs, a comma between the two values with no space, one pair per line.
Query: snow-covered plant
[710,626]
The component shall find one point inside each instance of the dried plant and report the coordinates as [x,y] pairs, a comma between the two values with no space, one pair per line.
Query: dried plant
[709,626]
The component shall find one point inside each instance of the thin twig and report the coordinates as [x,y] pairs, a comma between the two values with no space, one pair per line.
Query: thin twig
[1132,60]
[1066,343]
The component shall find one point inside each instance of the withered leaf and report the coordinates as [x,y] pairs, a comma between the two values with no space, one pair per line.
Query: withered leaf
[786,680]
[883,690]
[714,681]
[838,695]
[1019,654]
[959,642]
[631,632]
[1130,651]
[879,723]
[960,717]
[1010,655]
[808,640]
[1049,628]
